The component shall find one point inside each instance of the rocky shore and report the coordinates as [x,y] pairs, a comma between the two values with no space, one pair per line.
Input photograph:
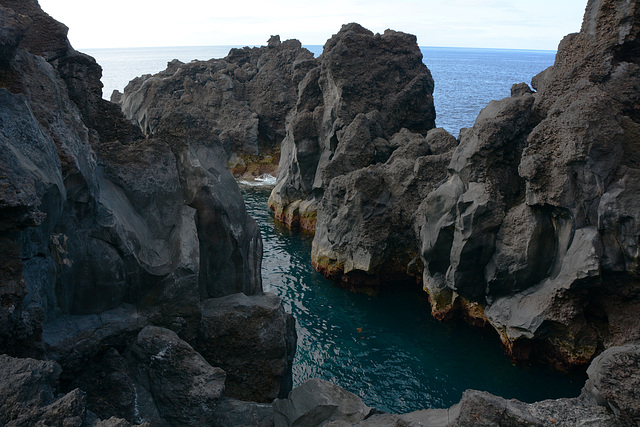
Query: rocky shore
[528,223]
[130,284]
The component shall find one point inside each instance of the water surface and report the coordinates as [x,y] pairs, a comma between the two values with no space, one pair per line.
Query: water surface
[387,348]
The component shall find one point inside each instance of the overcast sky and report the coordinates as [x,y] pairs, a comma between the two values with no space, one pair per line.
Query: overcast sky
[513,24]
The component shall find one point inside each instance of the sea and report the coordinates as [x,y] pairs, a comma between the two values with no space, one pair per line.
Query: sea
[385,348]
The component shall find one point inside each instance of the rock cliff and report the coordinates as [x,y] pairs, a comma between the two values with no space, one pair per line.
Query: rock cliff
[242,101]
[106,231]
[528,223]
[365,88]
[539,216]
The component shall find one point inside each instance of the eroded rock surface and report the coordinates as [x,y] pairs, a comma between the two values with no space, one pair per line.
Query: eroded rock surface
[104,232]
[609,398]
[242,101]
[364,89]
[537,217]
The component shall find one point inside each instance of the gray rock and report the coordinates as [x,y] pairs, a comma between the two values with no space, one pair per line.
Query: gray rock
[29,395]
[232,412]
[253,340]
[615,384]
[360,238]
[183,386]
[344,115]
[316,402]
[241,100]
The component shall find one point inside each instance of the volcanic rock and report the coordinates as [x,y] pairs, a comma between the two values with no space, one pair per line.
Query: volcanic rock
[179,383]
[253,340]
[105,231]
[365,88]
[240,101]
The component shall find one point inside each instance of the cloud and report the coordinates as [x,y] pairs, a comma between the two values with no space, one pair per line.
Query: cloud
[463,23]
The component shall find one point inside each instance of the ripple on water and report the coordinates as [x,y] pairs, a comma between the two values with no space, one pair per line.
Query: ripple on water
[387,349]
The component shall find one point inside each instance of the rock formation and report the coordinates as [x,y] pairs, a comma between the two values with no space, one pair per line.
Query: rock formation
[609,398]
[365,88]
[528,223]
[241,100]
[537,216]
[105,233]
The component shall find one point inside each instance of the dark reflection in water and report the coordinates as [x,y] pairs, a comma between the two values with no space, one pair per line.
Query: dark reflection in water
[387,348]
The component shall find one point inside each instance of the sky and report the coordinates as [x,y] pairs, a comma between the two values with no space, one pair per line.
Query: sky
[509,24]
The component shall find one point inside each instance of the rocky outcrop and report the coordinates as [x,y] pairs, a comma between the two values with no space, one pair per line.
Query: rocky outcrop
[104,231]
[527,223]
[29,394]
[252,339]
[537,217]
[240,101]
[361,238]
[609,398]
[365,89]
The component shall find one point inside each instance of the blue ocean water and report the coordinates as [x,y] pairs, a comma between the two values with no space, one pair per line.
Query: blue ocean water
[385,348]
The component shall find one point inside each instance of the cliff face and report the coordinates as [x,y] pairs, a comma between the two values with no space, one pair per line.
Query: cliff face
[105,231]
[529,223]
[540,218]
[365,88]
[242,101]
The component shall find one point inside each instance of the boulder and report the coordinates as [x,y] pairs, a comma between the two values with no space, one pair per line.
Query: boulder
[253,340]
[29,394]
[316,402]
[179,383]
[614,382]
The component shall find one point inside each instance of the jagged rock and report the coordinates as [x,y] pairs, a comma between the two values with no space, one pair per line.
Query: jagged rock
[614,382]
[29,395]
[182,386]
[105,231]
[316,402]
[241,101]
[360,234]
[536,223]
[365,88]
[97,221]
[109,387]
[253,340]
[232,412]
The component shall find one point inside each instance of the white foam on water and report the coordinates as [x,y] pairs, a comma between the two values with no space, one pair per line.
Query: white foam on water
[264,180]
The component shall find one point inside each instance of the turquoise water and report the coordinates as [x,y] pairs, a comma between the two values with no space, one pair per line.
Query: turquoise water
[387,348]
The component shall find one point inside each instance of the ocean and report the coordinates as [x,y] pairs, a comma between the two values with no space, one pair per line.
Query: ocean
[465,79]
[386,348]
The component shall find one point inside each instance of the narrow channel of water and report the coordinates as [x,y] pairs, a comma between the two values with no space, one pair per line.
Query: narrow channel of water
[387,348]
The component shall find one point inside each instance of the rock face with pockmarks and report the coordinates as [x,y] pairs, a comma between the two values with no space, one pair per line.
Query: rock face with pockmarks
[240,101]
[365,88]
[104,232]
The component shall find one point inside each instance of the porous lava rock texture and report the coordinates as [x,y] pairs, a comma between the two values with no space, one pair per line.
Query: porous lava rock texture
[241,101]
[105,231]
[365,88]
[536,230]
